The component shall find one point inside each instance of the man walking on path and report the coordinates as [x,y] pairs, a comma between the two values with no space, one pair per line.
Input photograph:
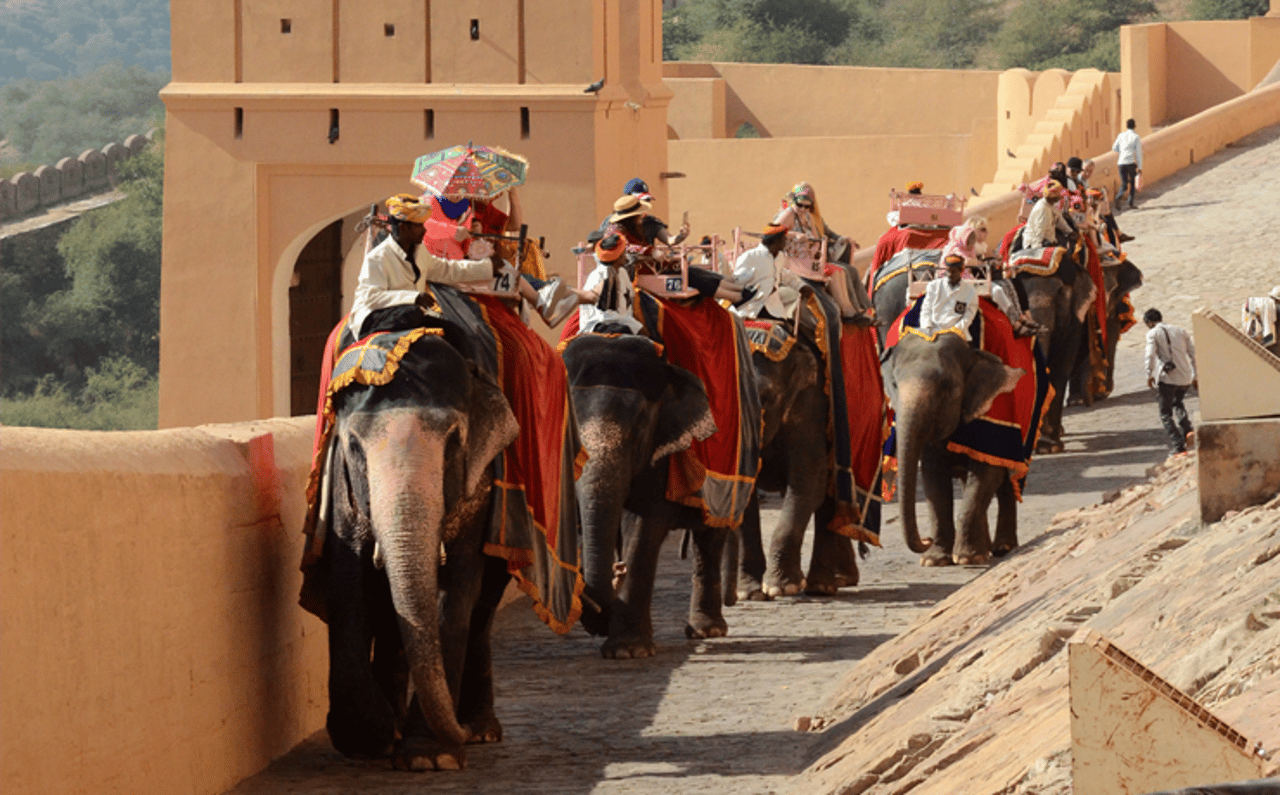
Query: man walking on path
[1171,368]
[1129,147]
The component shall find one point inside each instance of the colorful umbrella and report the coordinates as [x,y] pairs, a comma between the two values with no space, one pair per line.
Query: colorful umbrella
[469,172]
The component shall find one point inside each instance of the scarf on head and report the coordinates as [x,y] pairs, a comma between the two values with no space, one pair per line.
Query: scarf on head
[454,210]
[804,191]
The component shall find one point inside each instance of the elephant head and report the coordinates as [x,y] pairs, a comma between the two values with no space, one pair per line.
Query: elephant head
[411,473]
[634,410]
[934,385]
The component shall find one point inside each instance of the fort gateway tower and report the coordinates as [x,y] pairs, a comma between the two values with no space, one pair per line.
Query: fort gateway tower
[288,118]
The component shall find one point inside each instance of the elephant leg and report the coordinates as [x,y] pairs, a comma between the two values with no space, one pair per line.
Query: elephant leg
[706,616]
[973,546]
[361,720]
[631,619]
[729,568]
[475,700]
[784,576]
[935,476]
[1006,539]
[752,564]
[833,564]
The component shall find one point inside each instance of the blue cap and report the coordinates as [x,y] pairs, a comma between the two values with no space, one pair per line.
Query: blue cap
[636,185]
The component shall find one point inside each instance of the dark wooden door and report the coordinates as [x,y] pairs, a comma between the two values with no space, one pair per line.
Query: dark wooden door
[315,306]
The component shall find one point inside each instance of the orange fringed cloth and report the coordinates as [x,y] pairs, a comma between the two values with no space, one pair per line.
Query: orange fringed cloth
[867,410]
[534,509]
[711,342]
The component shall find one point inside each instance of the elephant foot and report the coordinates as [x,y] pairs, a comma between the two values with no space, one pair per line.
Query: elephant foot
[785,587]
[1001,549]
[815,588]
[971,558]
[1049,447]
[701,626]
[424,753]
[936,556]
[484,729]
[627,648]
[750,590]
[730,597]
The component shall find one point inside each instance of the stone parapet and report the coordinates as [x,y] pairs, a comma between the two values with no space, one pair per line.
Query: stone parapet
[47,185]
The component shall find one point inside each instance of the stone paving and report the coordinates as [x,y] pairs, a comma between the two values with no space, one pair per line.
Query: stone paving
[718,716]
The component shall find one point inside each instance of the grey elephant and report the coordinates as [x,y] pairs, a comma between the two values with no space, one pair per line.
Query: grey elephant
[1059,304]
[797,463]
[889,292]
[1119,280]
[935,385]
[410,552]
[635,411]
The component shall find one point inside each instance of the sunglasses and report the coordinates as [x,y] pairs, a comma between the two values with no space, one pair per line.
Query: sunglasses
[804,205]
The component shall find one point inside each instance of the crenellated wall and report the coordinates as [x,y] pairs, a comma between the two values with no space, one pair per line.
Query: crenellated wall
[94,170]
[152,640]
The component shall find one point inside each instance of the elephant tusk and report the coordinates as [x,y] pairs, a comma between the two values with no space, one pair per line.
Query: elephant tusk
[443,555]
[377,555]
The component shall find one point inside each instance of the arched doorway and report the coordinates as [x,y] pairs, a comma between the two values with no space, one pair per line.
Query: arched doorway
[315,306]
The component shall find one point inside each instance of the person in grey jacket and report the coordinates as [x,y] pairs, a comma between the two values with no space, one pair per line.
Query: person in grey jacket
[1171,369]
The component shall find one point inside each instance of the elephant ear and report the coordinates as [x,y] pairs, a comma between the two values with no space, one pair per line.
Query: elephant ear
[684,414]
[491,426]
[986,378]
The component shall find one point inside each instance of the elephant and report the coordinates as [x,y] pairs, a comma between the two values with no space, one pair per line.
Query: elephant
[635,411]
[1059,304]
[403,569]
[934,385]
[795,462]
[1119,279]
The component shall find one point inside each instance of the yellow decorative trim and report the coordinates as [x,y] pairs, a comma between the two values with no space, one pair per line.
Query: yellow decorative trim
[933,336]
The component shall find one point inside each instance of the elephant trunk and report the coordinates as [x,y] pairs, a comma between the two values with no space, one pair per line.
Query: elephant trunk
[407,510]
[601,493]
[909,430]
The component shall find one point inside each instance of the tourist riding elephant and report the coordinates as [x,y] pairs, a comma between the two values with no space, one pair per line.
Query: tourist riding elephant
[635,411]
[403,571]
[1059,303]
[935,385]
[797,463]
[890,286]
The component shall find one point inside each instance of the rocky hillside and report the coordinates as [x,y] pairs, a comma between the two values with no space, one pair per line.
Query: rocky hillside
[975,699]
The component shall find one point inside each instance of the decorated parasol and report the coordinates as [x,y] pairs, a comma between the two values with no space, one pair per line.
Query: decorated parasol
[469,172]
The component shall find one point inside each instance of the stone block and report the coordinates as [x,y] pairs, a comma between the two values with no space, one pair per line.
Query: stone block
[94,164]
[135,144]
[50,185]
[114,153]
[8,200]
[1239,464]
[72,174]
[28,189]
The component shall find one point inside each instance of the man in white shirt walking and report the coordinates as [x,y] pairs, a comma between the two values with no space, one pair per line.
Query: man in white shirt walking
[949,303]
[1171,369]
[1129,147]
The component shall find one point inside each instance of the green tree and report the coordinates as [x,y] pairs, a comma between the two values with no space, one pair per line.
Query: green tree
[922,34]
[46,121]
[1067,34]
[1228,9]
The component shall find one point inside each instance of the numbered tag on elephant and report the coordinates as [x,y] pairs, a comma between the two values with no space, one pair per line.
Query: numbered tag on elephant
[505,283]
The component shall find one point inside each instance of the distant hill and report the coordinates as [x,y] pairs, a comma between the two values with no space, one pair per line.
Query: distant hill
[46,40]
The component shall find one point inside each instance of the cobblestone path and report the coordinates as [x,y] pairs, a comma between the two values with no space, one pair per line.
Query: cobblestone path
[718,716]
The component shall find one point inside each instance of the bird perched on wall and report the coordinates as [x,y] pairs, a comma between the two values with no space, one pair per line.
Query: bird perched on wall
[595,87]
[1010,153]
[333,134]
